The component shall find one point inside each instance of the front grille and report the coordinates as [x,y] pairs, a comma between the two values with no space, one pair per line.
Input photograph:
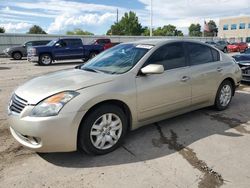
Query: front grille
[17,104]
[246,71]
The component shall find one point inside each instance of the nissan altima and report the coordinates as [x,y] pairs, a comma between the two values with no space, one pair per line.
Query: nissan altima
[94,105]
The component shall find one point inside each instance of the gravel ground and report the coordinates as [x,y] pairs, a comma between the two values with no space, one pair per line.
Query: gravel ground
[205,148]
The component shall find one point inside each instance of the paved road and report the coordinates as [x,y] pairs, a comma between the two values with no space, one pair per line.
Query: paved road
[205,148]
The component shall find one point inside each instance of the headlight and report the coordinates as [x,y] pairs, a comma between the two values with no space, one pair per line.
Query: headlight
[32,51]
[7,49]
[52,105]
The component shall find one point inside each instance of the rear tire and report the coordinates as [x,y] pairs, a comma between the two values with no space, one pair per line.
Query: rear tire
[45,59]
[17,55]
[224,95]
[92,55]
[103,130]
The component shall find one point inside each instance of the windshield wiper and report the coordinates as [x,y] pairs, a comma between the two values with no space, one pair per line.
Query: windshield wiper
[88,69]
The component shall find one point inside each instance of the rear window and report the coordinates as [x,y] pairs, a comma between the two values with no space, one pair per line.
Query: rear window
[199,54]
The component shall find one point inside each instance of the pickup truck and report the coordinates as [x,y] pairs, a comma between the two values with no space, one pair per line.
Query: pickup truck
[106,43]
[62,49]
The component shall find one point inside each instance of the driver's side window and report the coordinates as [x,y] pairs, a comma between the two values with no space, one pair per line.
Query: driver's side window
[171,56]
[62,43]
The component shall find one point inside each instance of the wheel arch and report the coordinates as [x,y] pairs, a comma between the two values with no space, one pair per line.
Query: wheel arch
[232,82]
[125,108]
[17,51]
[42,53]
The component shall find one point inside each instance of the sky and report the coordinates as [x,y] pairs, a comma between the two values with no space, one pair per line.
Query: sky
[96,16]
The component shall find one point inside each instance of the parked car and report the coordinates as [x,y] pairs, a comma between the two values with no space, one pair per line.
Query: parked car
[130,85]
[17,52]
[106,43]
[212,43]
[237,47]
[243,61]
[247,51]
[222,45]
[248,41]
[62,49]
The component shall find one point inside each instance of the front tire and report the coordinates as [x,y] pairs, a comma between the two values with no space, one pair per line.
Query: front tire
[224,95]
[103,130]
[17,55]
[45,59]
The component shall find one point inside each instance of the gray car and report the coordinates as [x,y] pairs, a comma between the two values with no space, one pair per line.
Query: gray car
[17,52]
[93,106]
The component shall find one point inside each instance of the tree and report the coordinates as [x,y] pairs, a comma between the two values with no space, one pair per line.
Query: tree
[128,25]
[167,30]
[79,32]
[2,30]
[213,29]
[35,29]
[146,31]
[195,30]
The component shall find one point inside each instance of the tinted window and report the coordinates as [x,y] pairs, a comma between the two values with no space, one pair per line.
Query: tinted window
[199,54]
[73,42]
[170,56]
[28,44]
[38,43]
[216,55]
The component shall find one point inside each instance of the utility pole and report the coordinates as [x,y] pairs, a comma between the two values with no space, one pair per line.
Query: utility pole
[151,19]
[117,18]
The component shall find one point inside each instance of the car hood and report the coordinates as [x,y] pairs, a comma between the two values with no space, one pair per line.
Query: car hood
[44,86]
[15,48]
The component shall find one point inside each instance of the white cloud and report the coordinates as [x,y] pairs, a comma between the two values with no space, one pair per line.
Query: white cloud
[15,27]
[184,12]
[9,11]
[67,20]
[64,15]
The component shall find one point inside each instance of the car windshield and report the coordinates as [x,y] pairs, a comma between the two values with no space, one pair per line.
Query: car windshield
[51,43]
[117,60]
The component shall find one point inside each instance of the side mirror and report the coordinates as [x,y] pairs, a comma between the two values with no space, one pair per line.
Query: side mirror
[57,45]
[153,69]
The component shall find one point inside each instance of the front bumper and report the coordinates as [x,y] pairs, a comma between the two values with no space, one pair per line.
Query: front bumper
[33,58]
[46,134]
[7,53]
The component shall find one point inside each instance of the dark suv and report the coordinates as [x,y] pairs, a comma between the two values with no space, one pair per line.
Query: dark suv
[17,52]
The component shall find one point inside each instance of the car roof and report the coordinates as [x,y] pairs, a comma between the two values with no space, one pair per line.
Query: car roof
[38,40]
[159,42]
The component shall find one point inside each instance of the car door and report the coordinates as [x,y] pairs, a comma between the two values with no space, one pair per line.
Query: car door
[205,71]
[61,50]
[75,48]
[158,94]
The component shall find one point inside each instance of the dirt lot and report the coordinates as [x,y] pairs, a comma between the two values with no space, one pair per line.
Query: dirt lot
[205,148]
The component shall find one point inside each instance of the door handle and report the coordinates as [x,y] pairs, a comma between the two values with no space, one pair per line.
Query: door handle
[66,48]
[185,78]
[219,69]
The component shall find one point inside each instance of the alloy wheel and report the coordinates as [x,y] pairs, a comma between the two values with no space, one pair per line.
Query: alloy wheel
[106,131]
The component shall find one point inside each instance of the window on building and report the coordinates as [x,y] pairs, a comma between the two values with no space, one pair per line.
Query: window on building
[242,26]
[249,26]
[225,27]
[233,26]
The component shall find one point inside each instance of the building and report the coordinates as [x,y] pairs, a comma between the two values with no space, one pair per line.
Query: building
[235,29]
